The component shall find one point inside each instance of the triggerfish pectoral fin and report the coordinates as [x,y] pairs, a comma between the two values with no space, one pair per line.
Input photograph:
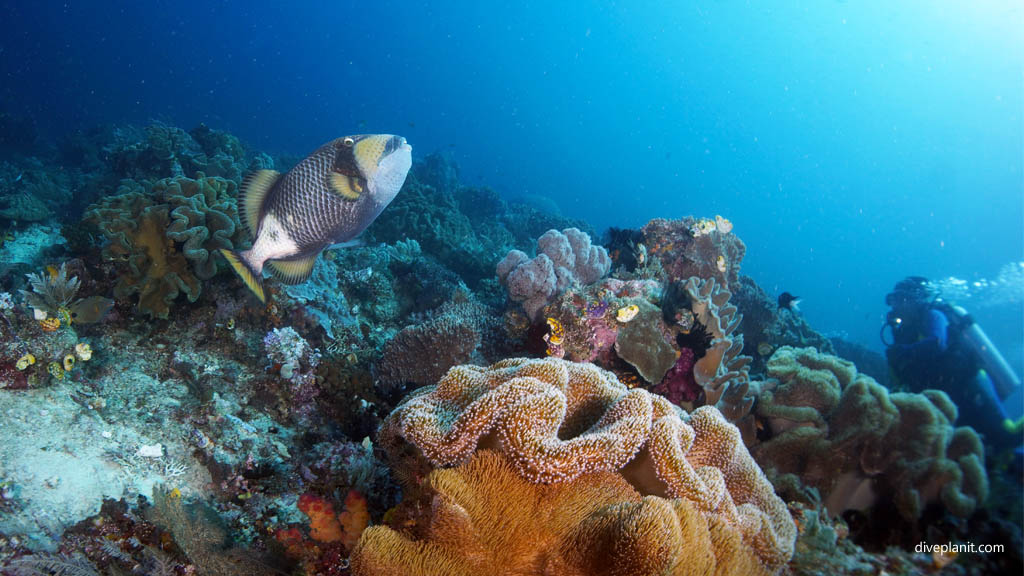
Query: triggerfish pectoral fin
[253,280]
[293,271]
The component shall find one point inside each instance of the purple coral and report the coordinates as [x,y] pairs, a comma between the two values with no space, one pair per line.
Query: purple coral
[679,384]
[563,259]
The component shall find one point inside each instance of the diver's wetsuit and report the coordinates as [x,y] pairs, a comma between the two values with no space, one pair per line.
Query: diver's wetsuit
[927,353]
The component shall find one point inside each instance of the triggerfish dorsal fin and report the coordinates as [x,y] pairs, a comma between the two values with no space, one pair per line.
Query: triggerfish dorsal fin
[251,279]
[348,187]
[293,271]
[254,192]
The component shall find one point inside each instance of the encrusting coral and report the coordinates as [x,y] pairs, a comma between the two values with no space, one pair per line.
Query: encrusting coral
[558,421]
[859,445]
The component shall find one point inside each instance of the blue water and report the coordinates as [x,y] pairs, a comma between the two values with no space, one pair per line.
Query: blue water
[852,143]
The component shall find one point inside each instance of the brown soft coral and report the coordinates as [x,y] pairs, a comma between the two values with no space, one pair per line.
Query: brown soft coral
[847,436]
[163,245]
[486,519]
[557,421]
[150,264]
[204,214]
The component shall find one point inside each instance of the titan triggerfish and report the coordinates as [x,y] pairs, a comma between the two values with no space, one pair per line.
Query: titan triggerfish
[328,198]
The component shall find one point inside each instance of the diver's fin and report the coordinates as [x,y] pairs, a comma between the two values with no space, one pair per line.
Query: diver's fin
[253,280]
[254,192]
[345,186]
[295,271]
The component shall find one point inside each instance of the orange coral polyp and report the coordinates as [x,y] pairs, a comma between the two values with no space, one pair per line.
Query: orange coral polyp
[354,519]
[323,522]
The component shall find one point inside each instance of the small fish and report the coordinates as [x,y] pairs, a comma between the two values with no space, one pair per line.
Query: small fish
[329,197]
[789,302]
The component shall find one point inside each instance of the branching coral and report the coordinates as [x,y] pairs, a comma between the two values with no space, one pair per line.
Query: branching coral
[859,445]
[558,421]
[456,224]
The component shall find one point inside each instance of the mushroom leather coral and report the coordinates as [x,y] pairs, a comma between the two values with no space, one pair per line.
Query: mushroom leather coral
[148,262]
[846,435]
[204,218]
[487,519]
[557,421]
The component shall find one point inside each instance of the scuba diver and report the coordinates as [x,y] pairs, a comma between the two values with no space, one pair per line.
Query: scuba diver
[934,344]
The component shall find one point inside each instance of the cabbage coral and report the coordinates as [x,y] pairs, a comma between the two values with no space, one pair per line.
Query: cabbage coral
[487,519]
[860,445]
[559,421]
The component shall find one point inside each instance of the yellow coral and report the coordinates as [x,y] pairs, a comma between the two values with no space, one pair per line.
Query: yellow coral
[25,361]
[69,362]
[557,421]
[627,313]
[55,370]
[486,519]
[556,333]
[83,351]
[50,324]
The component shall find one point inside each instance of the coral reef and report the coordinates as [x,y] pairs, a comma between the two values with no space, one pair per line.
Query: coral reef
[765,327]
[466,228]
[683,248]
[162,241]
[861,446]
[640,342]
[230,437]
[486,519]
[563,259]
[453,334]
[557,421]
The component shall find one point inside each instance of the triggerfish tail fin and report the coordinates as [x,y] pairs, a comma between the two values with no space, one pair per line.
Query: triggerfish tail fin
[253,280]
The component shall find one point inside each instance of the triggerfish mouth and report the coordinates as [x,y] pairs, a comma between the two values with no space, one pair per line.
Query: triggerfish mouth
[328,198]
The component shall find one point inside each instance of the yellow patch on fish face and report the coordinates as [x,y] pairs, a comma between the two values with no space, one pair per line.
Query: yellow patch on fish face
[368,152]
[348,187]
